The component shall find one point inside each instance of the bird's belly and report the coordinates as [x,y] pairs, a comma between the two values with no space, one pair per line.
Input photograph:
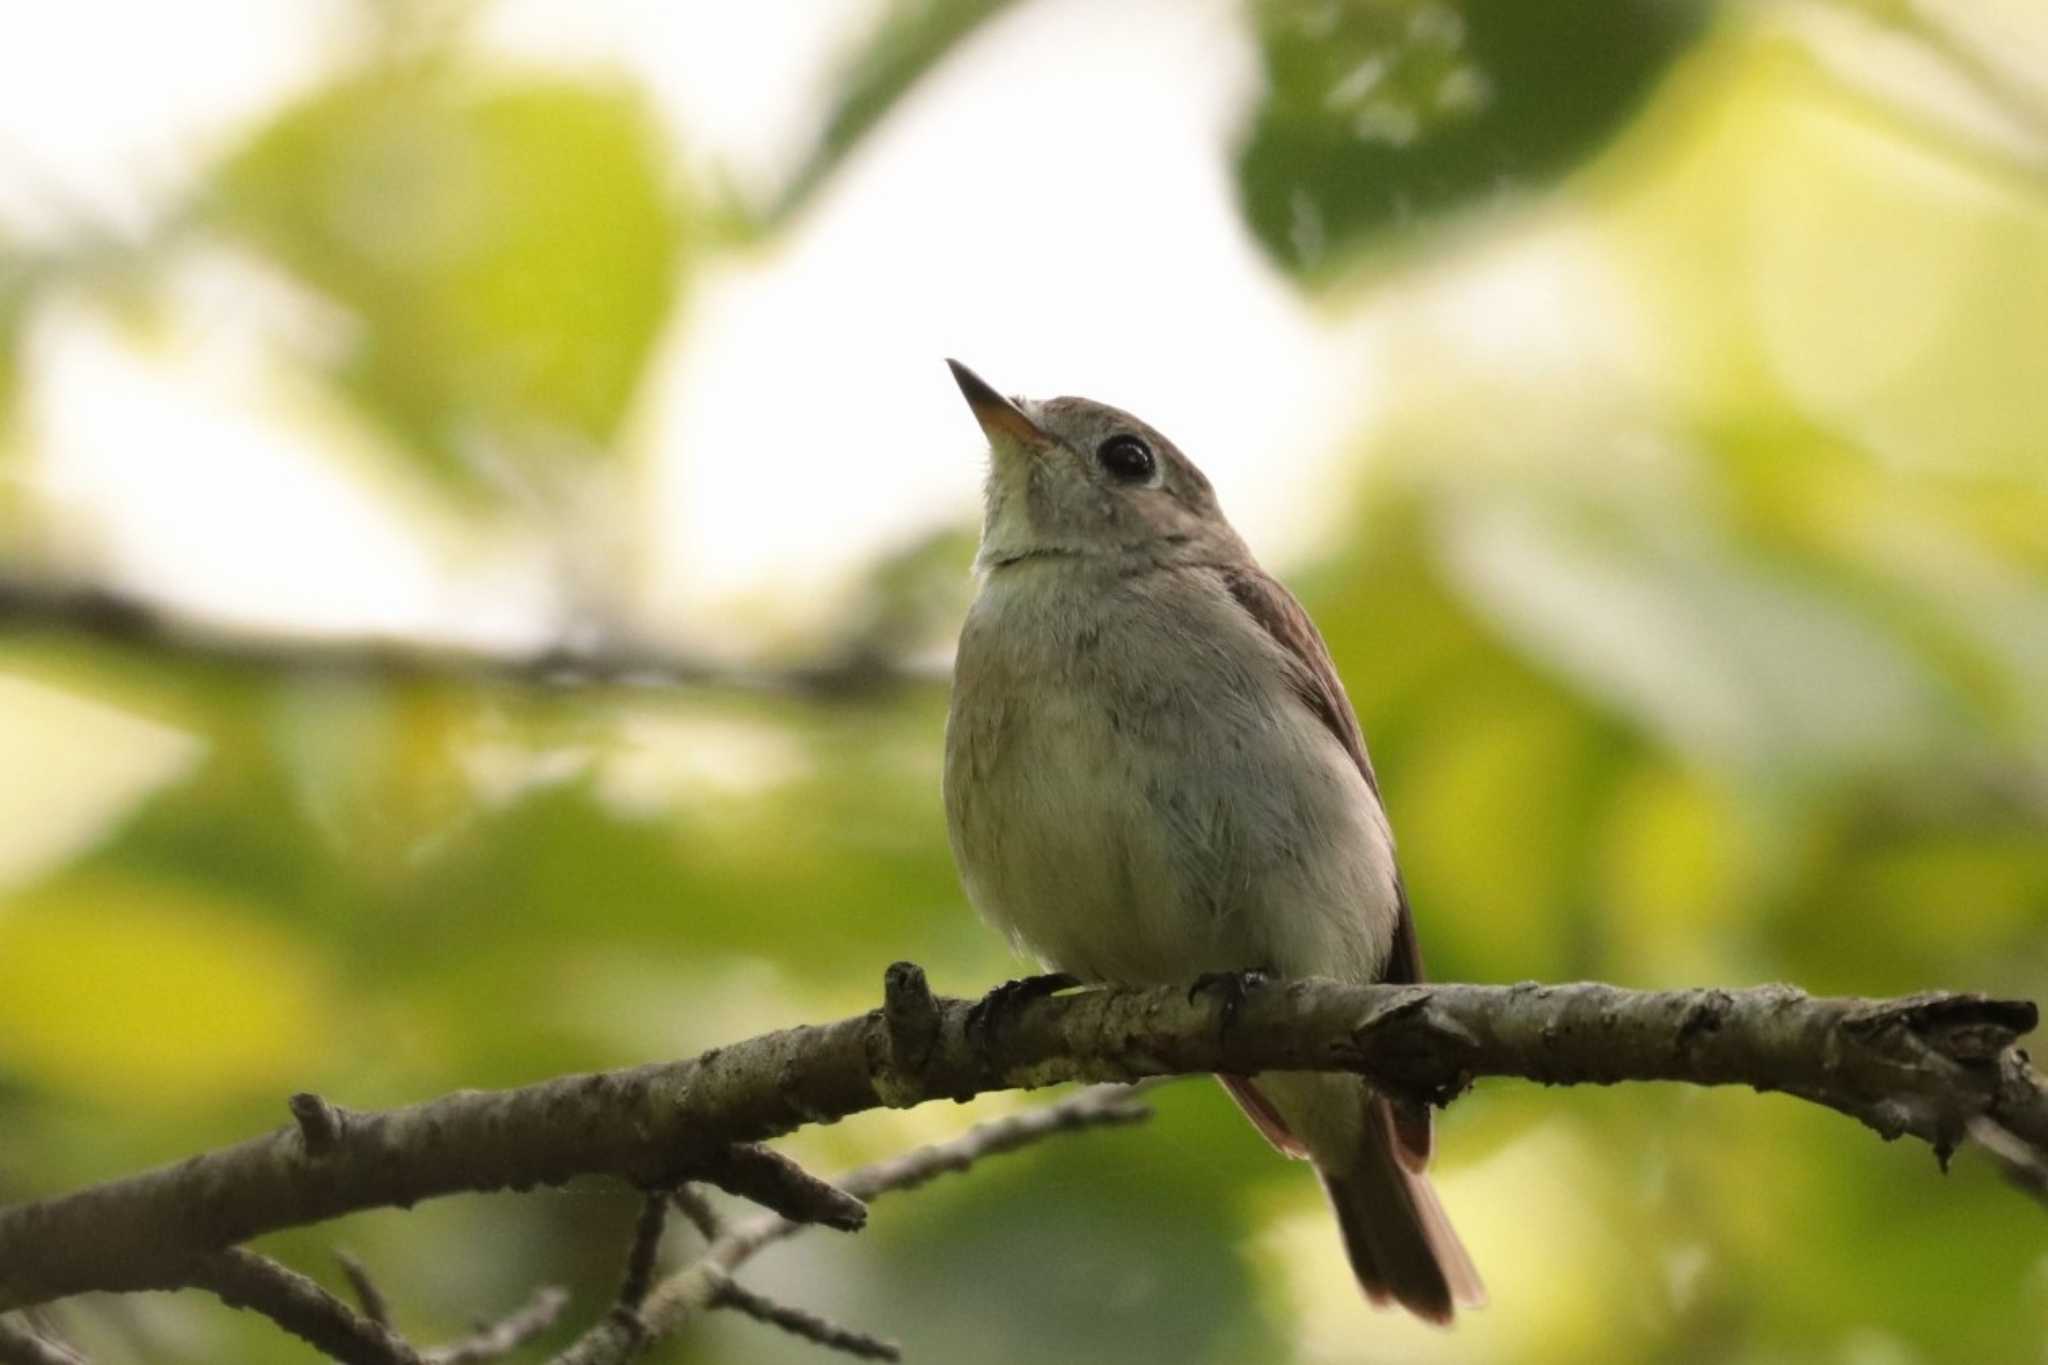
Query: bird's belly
[1147,859]
[1074,867]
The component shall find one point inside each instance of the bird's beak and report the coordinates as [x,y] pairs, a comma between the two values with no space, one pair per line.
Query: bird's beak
[1002,421]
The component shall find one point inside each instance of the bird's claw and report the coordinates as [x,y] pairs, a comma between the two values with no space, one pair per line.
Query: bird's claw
[1231,989]
[985,1015]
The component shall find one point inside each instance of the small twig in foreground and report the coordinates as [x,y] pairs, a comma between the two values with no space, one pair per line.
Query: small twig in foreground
[646,1248]
[507,1334]
[2024,1167]
[1100,1106]
[698,1287]
[320,1123]
[375,1307]
[779,1185]
[21,1345]
[801,1323]
[242,1279]
[698,1210]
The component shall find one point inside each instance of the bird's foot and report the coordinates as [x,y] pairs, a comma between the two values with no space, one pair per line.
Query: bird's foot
[1231,989]
[985,1015]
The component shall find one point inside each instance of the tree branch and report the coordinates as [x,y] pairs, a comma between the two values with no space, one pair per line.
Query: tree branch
[128,621]
[1922,1065]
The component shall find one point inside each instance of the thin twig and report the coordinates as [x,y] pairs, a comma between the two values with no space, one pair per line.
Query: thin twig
[2024,1166]
[375,1307]
[507,1334]
[697,1288]
[803,1323]
[243,1279]
[698,1210]
[22,1345]
[776,1183]
[911,1022]
[645,1250]
[320,1123]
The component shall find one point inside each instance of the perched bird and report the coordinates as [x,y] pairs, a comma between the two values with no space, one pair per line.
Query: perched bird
[1153,774]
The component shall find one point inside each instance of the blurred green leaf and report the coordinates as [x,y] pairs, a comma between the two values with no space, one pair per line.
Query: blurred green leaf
[1722,654]
[908,40]
[1792,254]
[1813,1233]
[377,768]
[1386,115]
[136,993]
[1675,874]
[508,247]
[1513,904]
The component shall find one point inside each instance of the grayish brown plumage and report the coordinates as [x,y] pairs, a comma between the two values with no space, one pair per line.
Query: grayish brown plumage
[1153,773]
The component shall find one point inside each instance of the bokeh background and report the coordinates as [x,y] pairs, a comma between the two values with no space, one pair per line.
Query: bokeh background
[1648,397]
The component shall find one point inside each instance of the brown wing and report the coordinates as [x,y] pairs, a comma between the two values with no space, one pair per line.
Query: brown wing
[1315,677]
[1316,682]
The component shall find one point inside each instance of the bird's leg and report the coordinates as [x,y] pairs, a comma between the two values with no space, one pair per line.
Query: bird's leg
[985,1014]
[1232,989]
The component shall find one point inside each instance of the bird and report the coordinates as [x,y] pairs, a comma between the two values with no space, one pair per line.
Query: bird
[1153,774]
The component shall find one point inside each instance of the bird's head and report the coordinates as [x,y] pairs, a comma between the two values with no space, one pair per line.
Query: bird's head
[1069,477]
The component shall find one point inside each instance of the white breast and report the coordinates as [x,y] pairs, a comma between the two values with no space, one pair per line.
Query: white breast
[1134,793]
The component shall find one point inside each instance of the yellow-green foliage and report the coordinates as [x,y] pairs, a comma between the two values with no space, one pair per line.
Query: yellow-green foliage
[1709,646]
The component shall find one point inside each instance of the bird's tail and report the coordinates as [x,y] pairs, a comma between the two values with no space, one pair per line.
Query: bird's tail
[1399,1241]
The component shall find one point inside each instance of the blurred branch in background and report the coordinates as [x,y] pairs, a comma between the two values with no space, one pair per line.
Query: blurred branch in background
[856,667]
[1928,1066]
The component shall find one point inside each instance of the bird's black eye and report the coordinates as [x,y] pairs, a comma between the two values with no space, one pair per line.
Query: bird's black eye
[1126,458]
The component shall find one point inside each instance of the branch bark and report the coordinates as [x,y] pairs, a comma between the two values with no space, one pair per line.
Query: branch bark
[1924,1066]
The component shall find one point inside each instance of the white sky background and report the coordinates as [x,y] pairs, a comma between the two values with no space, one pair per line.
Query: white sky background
[1054,208]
